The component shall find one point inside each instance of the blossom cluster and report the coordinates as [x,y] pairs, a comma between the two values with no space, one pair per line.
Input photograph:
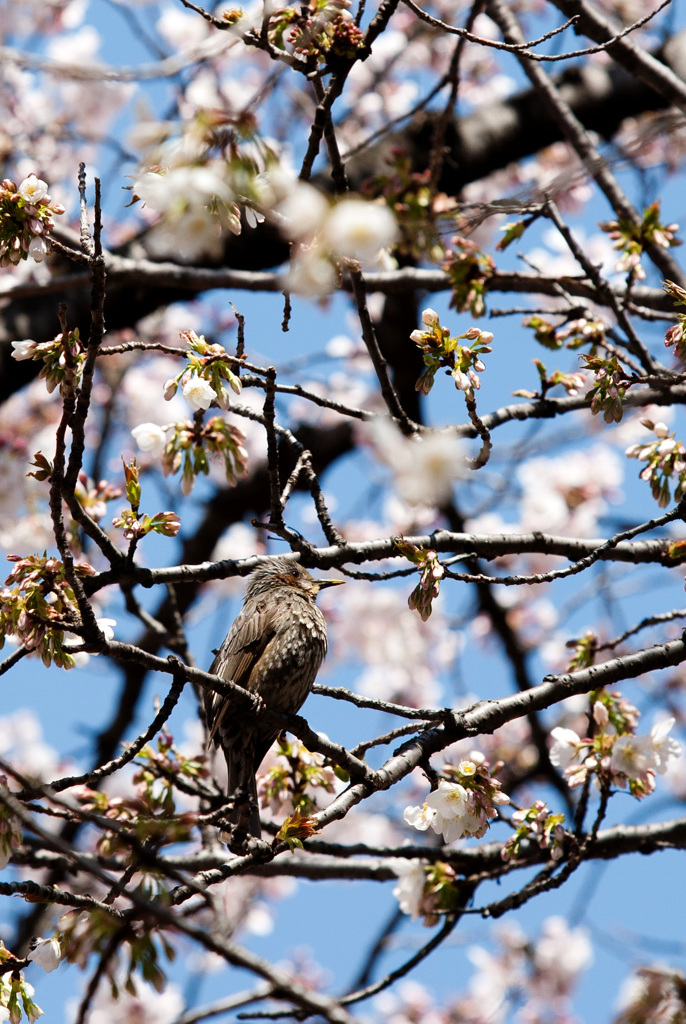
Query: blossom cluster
[537,824]
[439,349]
[415,202]
[158,768]
[353,230]
[82,933]
[460,808]
[62,357]
[195,202]
[665,461]
[152,803]
[202,379]
[610,387]
[654,993]
[614,754]
[403,658]
[189,447]
[426,890]
[322,30]
[432,573]
[524,978]
[571,382]
[26,213]
[425,466]
[41,607]
[676,334]
[294,777]
[577,332]
[16,994]
[569,494]
[93,497]
[536,977]
[10,829]
[469,269]
[132,521]
[631,239]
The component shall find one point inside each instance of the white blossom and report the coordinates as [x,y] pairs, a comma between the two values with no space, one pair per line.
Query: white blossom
[192,235]
[144,1004]
[23,349]
[180,188]
[565,749]
[150,438]
[419,817]
[358,230]
[310,274]
[105,627]
[425,469]
[428,475]
[661,746]
[198,392]
[410,888]
[559,957]
[47,953]
[630,756]
[302,211]
[33,189]
[454,816]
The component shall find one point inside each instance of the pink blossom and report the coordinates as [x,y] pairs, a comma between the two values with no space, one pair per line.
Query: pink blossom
[38,248]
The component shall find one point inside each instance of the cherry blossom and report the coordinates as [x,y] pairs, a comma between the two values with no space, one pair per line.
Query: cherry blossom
[23,349]
[46,953]
[357,230]
[150,438]
[661,746]
[567,747]
[198,392]
[424,470]
[38,249]
[33,189]
[409,891]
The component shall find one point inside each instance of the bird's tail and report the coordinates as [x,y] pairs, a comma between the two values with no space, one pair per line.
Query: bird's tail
[242,788]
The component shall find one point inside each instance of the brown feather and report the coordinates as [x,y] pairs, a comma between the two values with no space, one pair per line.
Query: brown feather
[274,648]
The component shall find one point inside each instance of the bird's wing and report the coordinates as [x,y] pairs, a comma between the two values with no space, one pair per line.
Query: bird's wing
[243,645]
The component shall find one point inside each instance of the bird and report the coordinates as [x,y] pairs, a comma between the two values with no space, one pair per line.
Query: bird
[274,648]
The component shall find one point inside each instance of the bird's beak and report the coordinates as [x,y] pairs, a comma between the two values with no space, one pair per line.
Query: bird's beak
[329,583]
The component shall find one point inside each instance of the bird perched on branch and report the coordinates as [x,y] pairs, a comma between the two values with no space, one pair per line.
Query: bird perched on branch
[274,648]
